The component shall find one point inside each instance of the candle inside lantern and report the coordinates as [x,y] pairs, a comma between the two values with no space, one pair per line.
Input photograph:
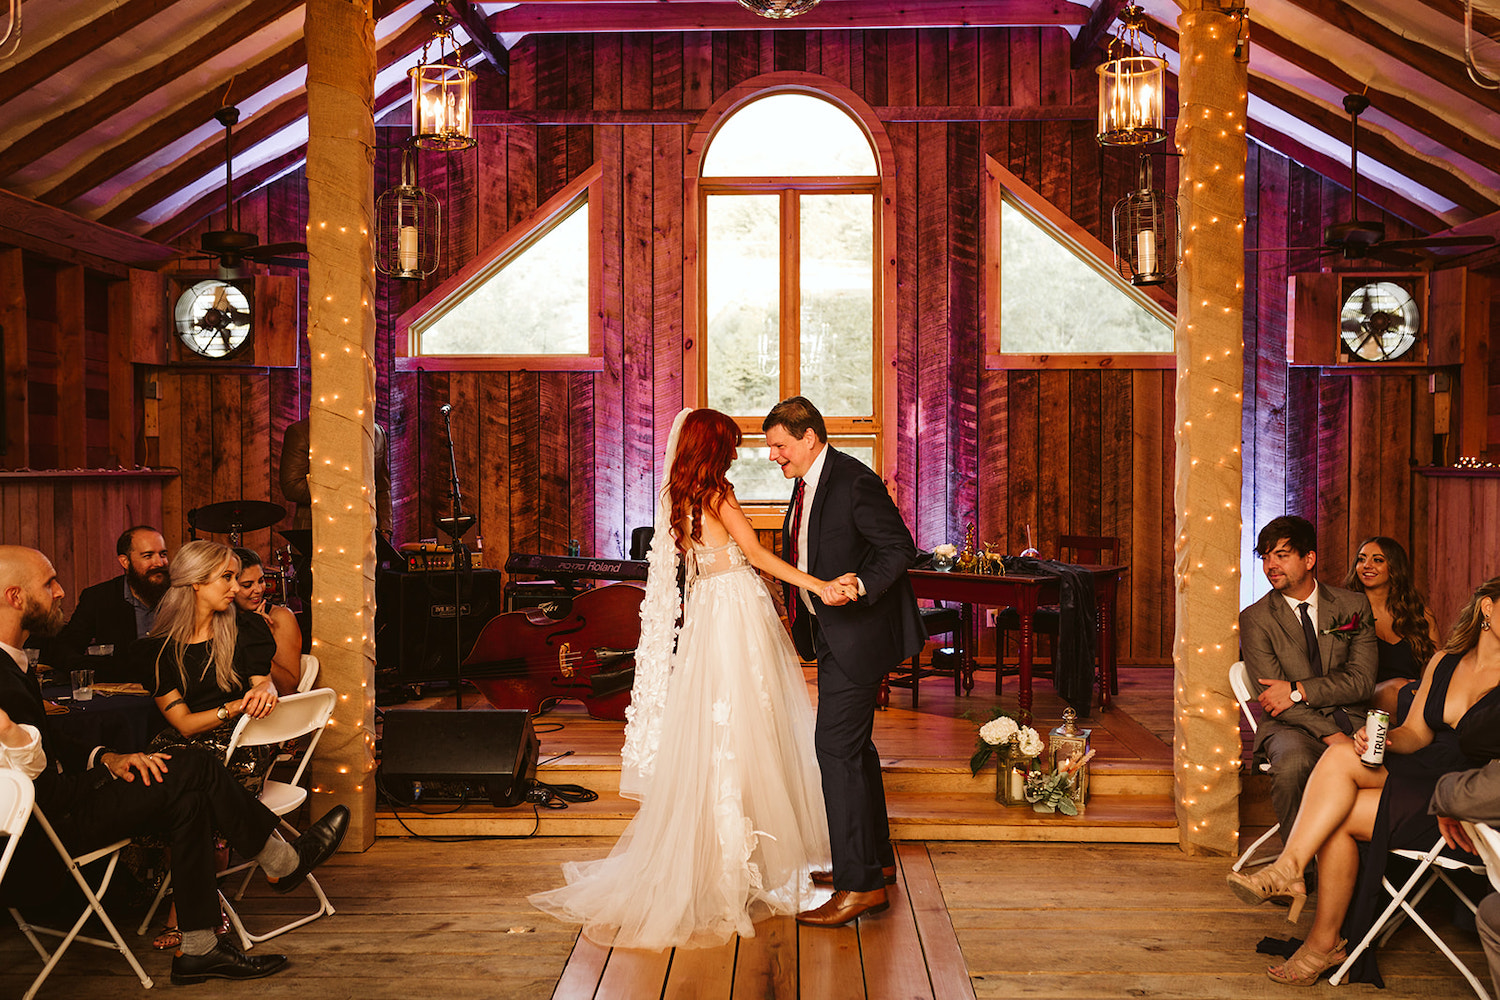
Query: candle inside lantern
[1145,252]
[407,248]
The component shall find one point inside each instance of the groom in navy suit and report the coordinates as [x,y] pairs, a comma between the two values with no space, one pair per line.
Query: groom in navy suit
[841,518]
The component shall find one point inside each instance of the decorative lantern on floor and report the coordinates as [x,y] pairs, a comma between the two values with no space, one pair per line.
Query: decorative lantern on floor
[407,225]
[1147,233]
[442,109]
[1068,744]
[1132,88]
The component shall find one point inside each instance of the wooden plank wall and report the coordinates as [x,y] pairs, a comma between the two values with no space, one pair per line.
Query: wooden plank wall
[547,457]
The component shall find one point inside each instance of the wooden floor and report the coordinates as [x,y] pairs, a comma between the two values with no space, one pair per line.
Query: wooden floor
[1036,920]
[925,756]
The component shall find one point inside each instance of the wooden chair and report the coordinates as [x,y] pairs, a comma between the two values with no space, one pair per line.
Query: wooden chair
[16,804]
[1080,550]
[937,620]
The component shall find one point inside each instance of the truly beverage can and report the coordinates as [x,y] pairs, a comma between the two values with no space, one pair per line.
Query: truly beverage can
[1377,724]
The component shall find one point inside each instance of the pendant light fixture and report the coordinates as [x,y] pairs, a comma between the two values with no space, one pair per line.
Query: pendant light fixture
[1132,88]
[1147,233]
[779,9]
[408,222]
[442,107]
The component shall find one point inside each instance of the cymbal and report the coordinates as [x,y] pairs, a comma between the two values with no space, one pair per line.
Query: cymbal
[236,515]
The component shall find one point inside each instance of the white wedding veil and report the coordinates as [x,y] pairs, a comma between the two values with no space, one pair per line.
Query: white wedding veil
[653,653]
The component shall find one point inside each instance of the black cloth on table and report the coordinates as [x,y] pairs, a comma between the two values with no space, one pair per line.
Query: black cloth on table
[1073,671]
[1402,820]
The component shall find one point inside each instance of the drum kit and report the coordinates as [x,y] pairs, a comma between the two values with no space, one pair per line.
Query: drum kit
[234,518]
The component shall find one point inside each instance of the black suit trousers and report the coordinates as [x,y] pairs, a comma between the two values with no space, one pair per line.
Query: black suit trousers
[196,798]
[854,795]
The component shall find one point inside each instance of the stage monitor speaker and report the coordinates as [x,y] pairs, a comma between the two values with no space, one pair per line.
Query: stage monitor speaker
[446,755]
[417,642]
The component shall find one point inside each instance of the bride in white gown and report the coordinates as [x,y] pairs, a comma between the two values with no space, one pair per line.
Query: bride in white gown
[719,737]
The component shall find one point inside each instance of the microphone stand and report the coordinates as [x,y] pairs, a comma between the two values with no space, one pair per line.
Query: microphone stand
[455,526]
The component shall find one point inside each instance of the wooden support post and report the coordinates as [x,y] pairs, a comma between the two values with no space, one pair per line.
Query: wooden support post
[13,361]
[125,426]
[341,333]
[72,421]
[1210,374]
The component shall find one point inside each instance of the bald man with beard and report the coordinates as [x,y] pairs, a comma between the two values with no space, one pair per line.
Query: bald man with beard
[94,796]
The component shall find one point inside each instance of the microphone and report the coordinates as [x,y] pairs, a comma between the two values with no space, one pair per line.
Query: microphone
[446,409]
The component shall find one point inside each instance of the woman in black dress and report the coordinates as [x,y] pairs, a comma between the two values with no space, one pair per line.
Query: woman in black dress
[1451,727]
[1405,631]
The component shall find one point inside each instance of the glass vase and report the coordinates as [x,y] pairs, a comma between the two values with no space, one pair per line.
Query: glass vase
[1010,783]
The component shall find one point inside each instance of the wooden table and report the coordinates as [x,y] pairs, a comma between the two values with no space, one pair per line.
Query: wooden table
[1025,594]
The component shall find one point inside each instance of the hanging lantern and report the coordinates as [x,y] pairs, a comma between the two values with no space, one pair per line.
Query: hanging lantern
[779,9]
[407,226]
[1132,88]
[1147,233]
[442,109]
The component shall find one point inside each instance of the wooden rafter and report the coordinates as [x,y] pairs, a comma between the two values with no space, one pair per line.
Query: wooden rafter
[53,133]
[542,18]
[75,44]
[480,34]
[64,236]
[265,124]
[1085,45]
[1484,22]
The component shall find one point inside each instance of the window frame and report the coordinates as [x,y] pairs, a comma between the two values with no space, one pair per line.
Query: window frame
[1000,185]
[584,190]
[881,424]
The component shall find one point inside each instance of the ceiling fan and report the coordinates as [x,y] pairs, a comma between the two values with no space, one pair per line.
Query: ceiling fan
[1357,239]
[230,246]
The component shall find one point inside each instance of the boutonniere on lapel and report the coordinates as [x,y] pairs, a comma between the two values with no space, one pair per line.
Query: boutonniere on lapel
[1346,629]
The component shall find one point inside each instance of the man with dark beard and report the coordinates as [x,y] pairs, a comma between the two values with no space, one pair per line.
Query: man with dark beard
[95,796]
[115,613]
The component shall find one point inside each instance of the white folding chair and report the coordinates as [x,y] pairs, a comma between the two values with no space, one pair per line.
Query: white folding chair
[309,673]
[16,803]
[1244,694]
[1431,866]
[301,714]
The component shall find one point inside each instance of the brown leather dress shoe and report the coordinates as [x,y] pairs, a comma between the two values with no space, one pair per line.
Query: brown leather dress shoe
[826,878]
[844,907]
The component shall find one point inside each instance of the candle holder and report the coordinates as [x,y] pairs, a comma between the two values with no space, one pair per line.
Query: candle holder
[408,223]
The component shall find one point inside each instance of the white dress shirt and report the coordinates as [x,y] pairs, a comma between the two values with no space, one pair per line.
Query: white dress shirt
[29,758]
[1311,600]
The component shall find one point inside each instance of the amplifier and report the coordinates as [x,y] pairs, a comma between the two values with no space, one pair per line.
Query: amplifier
[448,755]
[417,640]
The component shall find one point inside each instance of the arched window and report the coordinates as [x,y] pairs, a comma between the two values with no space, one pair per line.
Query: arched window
[791,233]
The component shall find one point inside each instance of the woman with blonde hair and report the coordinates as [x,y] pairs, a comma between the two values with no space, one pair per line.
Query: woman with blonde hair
[1452,727]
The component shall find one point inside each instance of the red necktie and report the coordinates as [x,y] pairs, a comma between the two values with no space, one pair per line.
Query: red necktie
[796,534]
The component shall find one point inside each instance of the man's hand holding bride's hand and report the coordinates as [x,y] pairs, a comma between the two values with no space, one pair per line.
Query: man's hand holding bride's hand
[840,591]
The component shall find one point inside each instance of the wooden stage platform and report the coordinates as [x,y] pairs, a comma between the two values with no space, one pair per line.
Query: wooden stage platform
[930,794]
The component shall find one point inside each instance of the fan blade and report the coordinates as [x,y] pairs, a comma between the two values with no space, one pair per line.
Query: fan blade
[1319,249]
[283,261]
[273,250]
[1402,258]
[1441,241]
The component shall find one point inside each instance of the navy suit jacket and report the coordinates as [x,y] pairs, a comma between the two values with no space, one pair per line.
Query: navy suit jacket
[102,617]
[854,527]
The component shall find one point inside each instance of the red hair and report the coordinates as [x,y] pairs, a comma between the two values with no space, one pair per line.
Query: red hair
[705,446]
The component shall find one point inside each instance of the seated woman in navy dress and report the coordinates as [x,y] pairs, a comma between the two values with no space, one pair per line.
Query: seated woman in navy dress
[1405,631]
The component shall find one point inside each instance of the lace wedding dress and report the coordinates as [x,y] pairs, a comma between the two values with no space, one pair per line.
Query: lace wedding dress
[731,821]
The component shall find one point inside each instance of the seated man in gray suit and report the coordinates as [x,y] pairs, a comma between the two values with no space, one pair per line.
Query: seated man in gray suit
[1473,796]
[1314,657]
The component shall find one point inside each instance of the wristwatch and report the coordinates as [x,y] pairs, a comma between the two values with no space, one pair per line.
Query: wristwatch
[223,712]
[1296,695]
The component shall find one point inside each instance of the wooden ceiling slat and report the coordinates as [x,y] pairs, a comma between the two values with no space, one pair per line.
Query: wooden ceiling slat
[834,15]
[146,144]
[1484,23]
[64,236]
[76,44]
[1481,149]
[1442,68]
[56,132]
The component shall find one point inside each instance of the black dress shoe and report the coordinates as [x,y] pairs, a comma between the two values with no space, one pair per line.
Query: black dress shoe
[225,961]
[315,847]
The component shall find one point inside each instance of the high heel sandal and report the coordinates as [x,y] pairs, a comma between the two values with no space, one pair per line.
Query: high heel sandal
[1271,883]
[1306,966]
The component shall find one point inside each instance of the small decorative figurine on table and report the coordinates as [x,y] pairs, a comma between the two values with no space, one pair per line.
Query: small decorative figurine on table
[967,558]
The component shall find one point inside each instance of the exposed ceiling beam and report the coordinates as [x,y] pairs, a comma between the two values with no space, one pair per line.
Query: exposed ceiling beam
[1482,149]
[1484,22]
[141,147]
[53,133]
[64,236]
[1441,67]
[480,34]
[75,44]
[1102,15]
[543,18]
